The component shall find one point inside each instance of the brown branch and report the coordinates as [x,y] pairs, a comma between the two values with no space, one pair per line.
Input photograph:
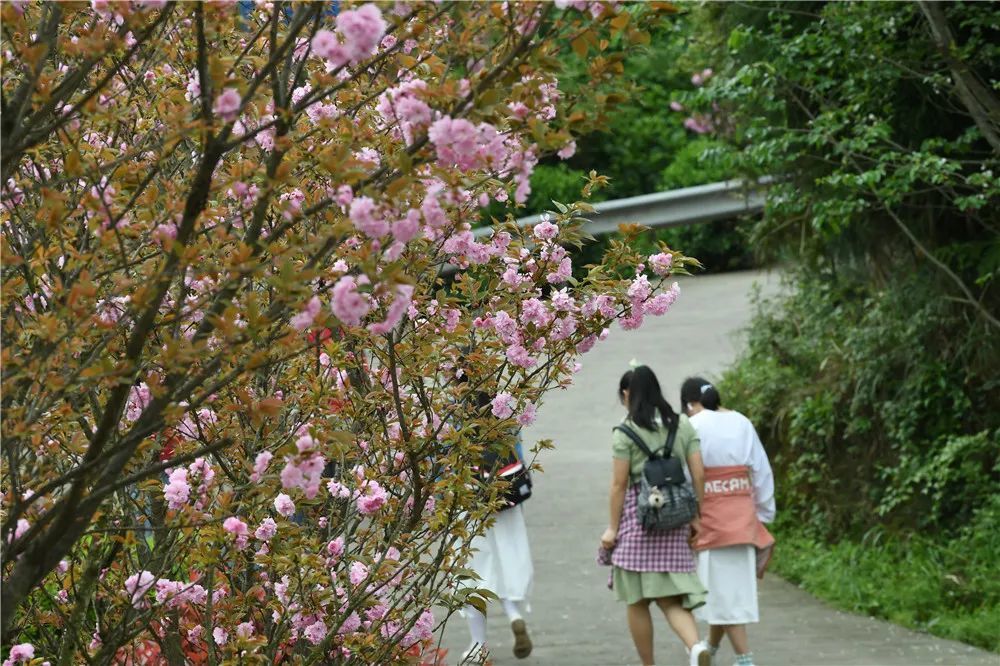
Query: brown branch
[977,98]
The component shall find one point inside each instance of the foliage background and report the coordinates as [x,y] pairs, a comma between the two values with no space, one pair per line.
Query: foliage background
[875,380]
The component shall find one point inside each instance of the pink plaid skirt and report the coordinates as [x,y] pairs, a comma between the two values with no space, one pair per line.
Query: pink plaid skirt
[664,551]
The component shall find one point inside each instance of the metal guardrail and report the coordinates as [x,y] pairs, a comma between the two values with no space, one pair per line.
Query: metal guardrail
[689,205]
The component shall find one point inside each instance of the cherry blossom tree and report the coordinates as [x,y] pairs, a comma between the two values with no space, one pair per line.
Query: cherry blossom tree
[240,378]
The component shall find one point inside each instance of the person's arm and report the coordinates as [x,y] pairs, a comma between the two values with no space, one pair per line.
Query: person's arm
[616,500]
[697,467]
[763,479]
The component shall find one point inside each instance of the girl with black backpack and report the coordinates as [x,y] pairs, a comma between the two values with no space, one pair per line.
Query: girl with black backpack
[502,554]
[653,565]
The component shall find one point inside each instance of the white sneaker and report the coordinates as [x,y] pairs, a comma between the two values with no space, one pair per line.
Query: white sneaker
[700,655]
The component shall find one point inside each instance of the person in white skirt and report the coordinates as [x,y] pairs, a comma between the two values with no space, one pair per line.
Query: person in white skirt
[732,543]
[502,561]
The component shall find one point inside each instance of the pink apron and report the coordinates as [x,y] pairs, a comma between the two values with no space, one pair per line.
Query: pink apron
[729,515]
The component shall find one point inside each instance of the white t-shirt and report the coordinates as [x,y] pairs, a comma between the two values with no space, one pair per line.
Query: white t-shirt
[728,438]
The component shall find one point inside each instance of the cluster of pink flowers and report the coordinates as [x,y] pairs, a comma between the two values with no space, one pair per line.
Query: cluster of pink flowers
[138,399]
[348,304]
[175,594]
[503,405]
[227,104]
[202,473]
[267,529]
[469,147]
[361,30]
[661,263]
[176,490]
[136,587]
[373,497]
[641,301]
[22,652]
[403,107]
[304,470]
[702,77]
[238,529]
[307,316]
[260,465]
[284,505]
[367,218]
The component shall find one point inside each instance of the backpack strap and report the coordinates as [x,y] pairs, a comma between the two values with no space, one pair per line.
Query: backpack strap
[637,440]
[668,450]
[671,436]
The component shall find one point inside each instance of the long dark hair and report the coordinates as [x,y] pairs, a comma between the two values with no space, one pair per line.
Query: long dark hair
[645,398]
[698,389]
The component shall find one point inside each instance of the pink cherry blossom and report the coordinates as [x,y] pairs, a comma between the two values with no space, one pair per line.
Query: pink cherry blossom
[533,311]
[336,547]
[21,652]
[659,304]
[406,229]
[527,415]
[315,632]
[567,151]
[661,263]
[227,105]
[238,529]
[266,530]
[503,405]
[640,289]
[362,29]
[521,357]
[373,499]
[400,304]
[366,218]
[358,573]
[323,43]
[136,587]
[586,344]
[545,229]
[305,318]
[176,490]
[260,465]
[348,305]
[284,505]
[165,234]
[562,273]
[220,636]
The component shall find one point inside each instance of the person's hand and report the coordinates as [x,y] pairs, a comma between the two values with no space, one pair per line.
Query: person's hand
[694,531]
[609,538]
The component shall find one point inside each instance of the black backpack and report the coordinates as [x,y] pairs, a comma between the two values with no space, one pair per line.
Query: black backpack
[666,500]
[511,469]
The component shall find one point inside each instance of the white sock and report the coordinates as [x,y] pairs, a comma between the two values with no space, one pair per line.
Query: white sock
[477,625]
[512,609]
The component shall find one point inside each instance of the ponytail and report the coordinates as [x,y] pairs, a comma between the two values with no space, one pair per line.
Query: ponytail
[645,398]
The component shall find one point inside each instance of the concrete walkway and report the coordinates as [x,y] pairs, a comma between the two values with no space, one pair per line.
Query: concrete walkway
[575,618]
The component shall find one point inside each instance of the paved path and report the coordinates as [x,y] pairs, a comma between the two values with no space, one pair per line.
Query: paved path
[575,619]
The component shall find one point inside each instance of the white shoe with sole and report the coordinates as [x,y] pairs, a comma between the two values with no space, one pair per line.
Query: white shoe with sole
[700,655]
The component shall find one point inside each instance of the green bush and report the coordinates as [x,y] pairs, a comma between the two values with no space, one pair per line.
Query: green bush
[878,412]
[946,587]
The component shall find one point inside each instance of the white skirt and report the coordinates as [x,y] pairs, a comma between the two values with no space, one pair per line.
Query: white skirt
[730,574]
[502,557]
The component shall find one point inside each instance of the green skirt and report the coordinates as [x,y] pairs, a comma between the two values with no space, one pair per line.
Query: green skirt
[634,586]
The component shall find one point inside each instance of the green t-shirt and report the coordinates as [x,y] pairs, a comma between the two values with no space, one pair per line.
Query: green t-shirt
[685,444]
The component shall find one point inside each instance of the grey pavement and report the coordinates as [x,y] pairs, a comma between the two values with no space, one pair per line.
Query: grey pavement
[574,617]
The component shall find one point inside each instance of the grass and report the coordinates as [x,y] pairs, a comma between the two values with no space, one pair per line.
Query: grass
[950,588]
